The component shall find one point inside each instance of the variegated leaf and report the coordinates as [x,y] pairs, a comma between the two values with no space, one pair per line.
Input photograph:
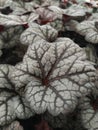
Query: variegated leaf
[6,88]
[21,107]
[37,32]
[57,10]
[6,108]
[76,11]
[89,115]
[5,72]
[89,30]
[57,24]
[12,103]
[11,20]
[54,75]
[10,36]
[20,7]
[45,15]
[84,27]
[43,3]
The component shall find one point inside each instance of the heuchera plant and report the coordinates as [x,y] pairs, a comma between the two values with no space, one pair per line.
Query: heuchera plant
[52,76]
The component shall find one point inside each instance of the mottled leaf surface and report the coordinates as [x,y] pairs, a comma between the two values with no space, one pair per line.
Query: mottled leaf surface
[12,20]
[10,36]
[20,7]
[75,10]
[89,30]
[12,104]
[89,115]
[45,15]
[37,32]
[57,10]
[54,75]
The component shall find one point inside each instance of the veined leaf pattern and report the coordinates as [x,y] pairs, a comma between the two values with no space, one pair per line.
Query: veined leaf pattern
[54,75]
[37,32]
[12,104]
[10,36]
[12,20]
[88,115]
[89,30]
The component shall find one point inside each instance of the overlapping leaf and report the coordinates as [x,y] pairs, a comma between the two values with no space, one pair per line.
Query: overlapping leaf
[57,10]
[15,125]
[88,29]
[76,11]
[45,15]
[44,3]
[93,17]
[54,75]
[11,20]
[37,32]
[10,36]
[89,115]
[12,105]
[55,121]
[57,24]
[20,7]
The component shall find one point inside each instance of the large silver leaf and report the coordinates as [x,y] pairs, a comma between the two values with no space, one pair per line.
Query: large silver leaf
[55,75]
[10,36]
[88,29]
[37,32]
[12,103]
